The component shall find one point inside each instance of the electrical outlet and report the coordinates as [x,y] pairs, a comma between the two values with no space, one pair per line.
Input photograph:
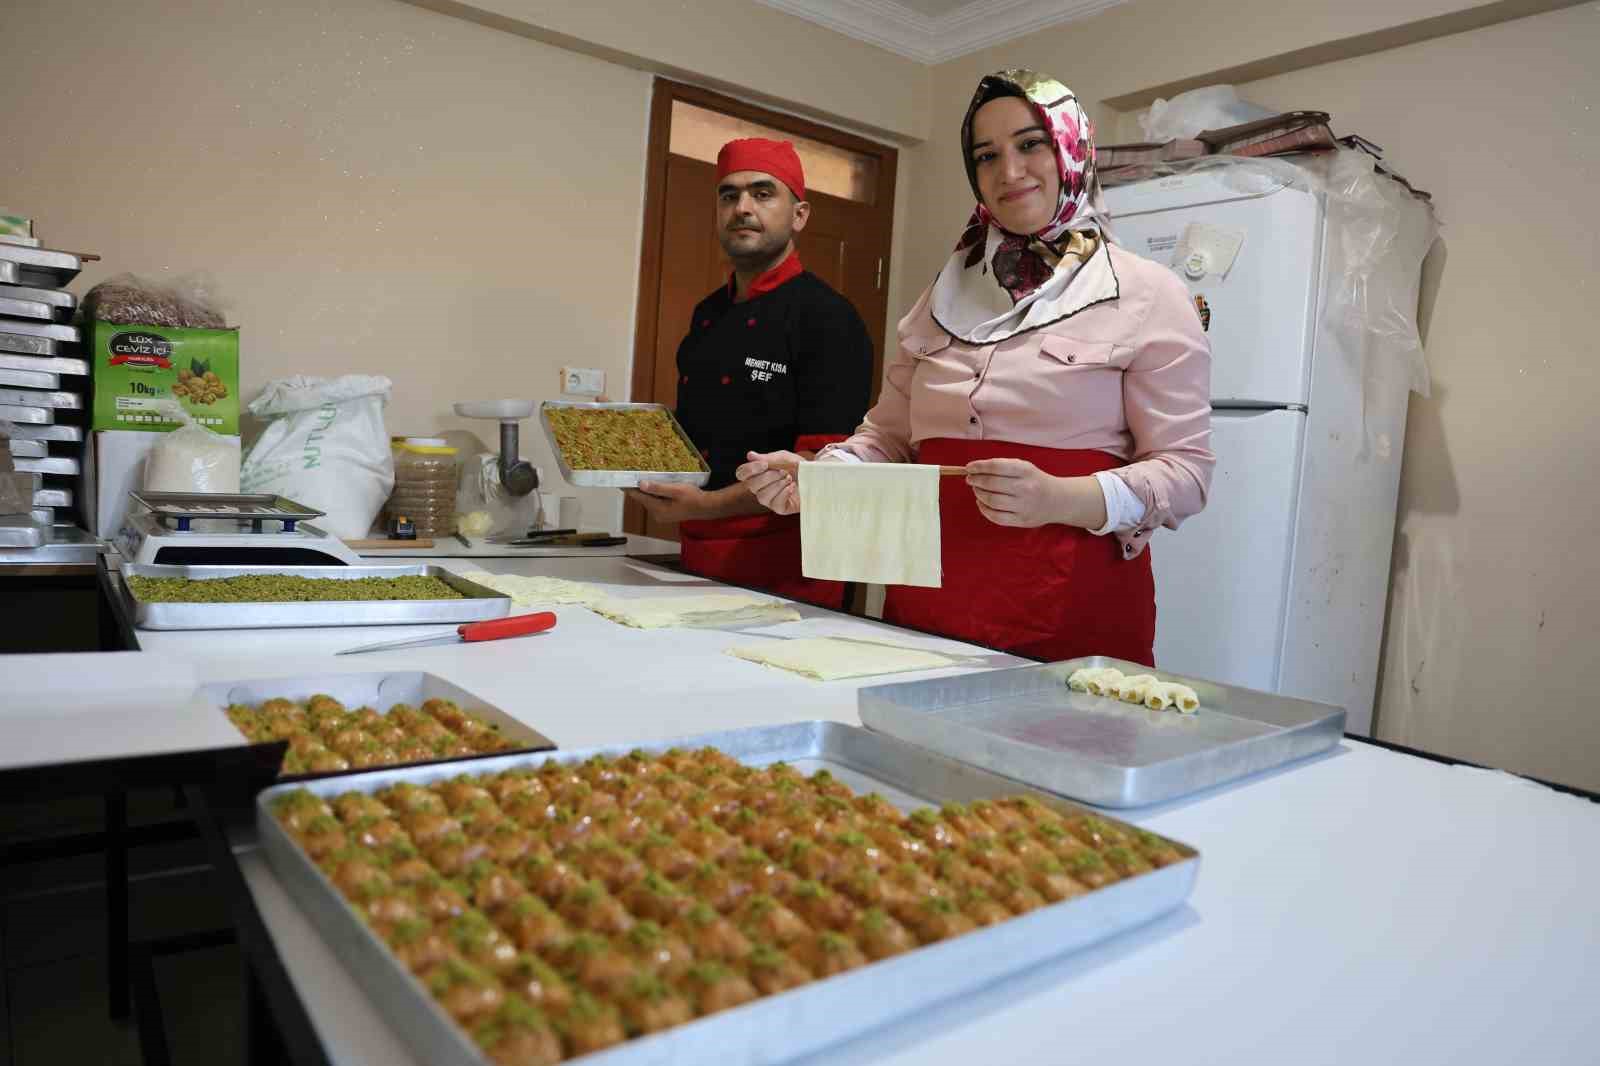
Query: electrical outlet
[582,381]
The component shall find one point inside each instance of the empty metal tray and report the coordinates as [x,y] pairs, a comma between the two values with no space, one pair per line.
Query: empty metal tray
[28,379]
[45,267]
[27,413]
[55,464]
[1027,724]
[181,508]
[69,434]
[44,365]
[59,398]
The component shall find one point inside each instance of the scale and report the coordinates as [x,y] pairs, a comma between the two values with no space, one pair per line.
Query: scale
[227,529]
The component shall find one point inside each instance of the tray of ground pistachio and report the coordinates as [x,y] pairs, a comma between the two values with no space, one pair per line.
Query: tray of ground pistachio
[272,597]
[345,722]
[618,445]
[739,898]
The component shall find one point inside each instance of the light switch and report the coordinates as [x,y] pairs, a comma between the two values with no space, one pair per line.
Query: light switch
[582,381]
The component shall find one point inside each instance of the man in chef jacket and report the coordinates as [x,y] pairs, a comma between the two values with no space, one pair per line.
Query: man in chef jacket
[775,359]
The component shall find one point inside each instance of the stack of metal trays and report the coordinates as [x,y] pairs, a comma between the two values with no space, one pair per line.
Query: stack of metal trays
[44,377]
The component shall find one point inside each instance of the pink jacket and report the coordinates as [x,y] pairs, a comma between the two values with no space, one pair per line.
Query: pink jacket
[1129,375]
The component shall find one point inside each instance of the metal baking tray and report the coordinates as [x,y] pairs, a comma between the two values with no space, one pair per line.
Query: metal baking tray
[59,399]
[39,266]
[26,308]
[58,464]
[621,479]
[29,379]
[182,507]
[1026,724]
[69,434]
[774,1028]
[52,497]
[22,531]
[60,300]
[40,364]
[26,449]
[380,690]
[51,330]
[28,413]
[481,602]
[16,342]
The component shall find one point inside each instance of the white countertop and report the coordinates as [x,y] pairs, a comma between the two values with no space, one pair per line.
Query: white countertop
[585,674]
[1359,907]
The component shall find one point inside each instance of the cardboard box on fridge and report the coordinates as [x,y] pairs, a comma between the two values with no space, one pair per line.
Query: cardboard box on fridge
[119,458]
[143,375]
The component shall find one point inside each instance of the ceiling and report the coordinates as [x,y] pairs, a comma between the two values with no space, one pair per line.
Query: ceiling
[933,31]
[934,7]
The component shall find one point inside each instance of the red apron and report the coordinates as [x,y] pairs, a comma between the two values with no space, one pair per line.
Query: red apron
[760,551]
[1049,593]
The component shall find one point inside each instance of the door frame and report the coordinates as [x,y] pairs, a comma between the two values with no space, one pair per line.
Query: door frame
[663,95]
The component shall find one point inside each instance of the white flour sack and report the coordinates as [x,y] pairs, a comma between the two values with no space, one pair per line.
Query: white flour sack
[193,459]
[325,446]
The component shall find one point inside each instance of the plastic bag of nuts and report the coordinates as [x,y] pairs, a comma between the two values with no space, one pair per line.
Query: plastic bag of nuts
[184,302]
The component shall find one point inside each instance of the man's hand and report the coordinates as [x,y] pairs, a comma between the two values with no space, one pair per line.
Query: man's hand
[773,479]
[1014,492]
[671,501]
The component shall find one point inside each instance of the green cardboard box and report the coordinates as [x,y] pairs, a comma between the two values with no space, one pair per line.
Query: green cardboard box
[144,374]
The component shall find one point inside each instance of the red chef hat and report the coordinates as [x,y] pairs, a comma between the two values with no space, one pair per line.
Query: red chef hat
[777,158]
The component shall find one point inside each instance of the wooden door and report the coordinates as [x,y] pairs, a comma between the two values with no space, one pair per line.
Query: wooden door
[845,243]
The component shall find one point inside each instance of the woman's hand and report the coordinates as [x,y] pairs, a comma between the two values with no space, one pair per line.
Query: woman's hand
[1014,492]
[773,479]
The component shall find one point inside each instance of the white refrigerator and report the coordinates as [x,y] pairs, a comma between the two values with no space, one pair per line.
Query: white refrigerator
[1281,583]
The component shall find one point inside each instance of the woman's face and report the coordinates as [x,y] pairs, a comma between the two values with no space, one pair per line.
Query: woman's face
[1015,164]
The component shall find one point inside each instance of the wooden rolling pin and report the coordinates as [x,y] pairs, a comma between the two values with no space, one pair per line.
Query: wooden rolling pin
[383,543]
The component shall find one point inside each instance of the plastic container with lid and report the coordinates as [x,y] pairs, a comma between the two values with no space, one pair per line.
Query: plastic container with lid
[425,473]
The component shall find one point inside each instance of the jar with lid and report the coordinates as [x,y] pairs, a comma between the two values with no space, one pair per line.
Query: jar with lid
[424,486]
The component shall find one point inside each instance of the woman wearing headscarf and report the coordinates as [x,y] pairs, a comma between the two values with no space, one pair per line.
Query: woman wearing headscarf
[1071,379]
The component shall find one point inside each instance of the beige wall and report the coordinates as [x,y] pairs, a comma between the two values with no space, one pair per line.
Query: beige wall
[756,51]
[376,188]
[1125,56]
[1495,604]
[1494,596]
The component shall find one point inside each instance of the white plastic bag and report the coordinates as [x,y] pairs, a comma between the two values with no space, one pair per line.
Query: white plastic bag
[193,459]
[326,446]
[1213,107]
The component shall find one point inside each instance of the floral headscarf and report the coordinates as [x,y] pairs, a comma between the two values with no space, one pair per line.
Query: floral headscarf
[987,290]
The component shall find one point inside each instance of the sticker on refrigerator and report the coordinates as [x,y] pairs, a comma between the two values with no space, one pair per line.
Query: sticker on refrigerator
[1155,246]
[1205,250]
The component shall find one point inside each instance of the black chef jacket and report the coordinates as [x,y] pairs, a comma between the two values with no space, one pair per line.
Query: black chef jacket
[791,363]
